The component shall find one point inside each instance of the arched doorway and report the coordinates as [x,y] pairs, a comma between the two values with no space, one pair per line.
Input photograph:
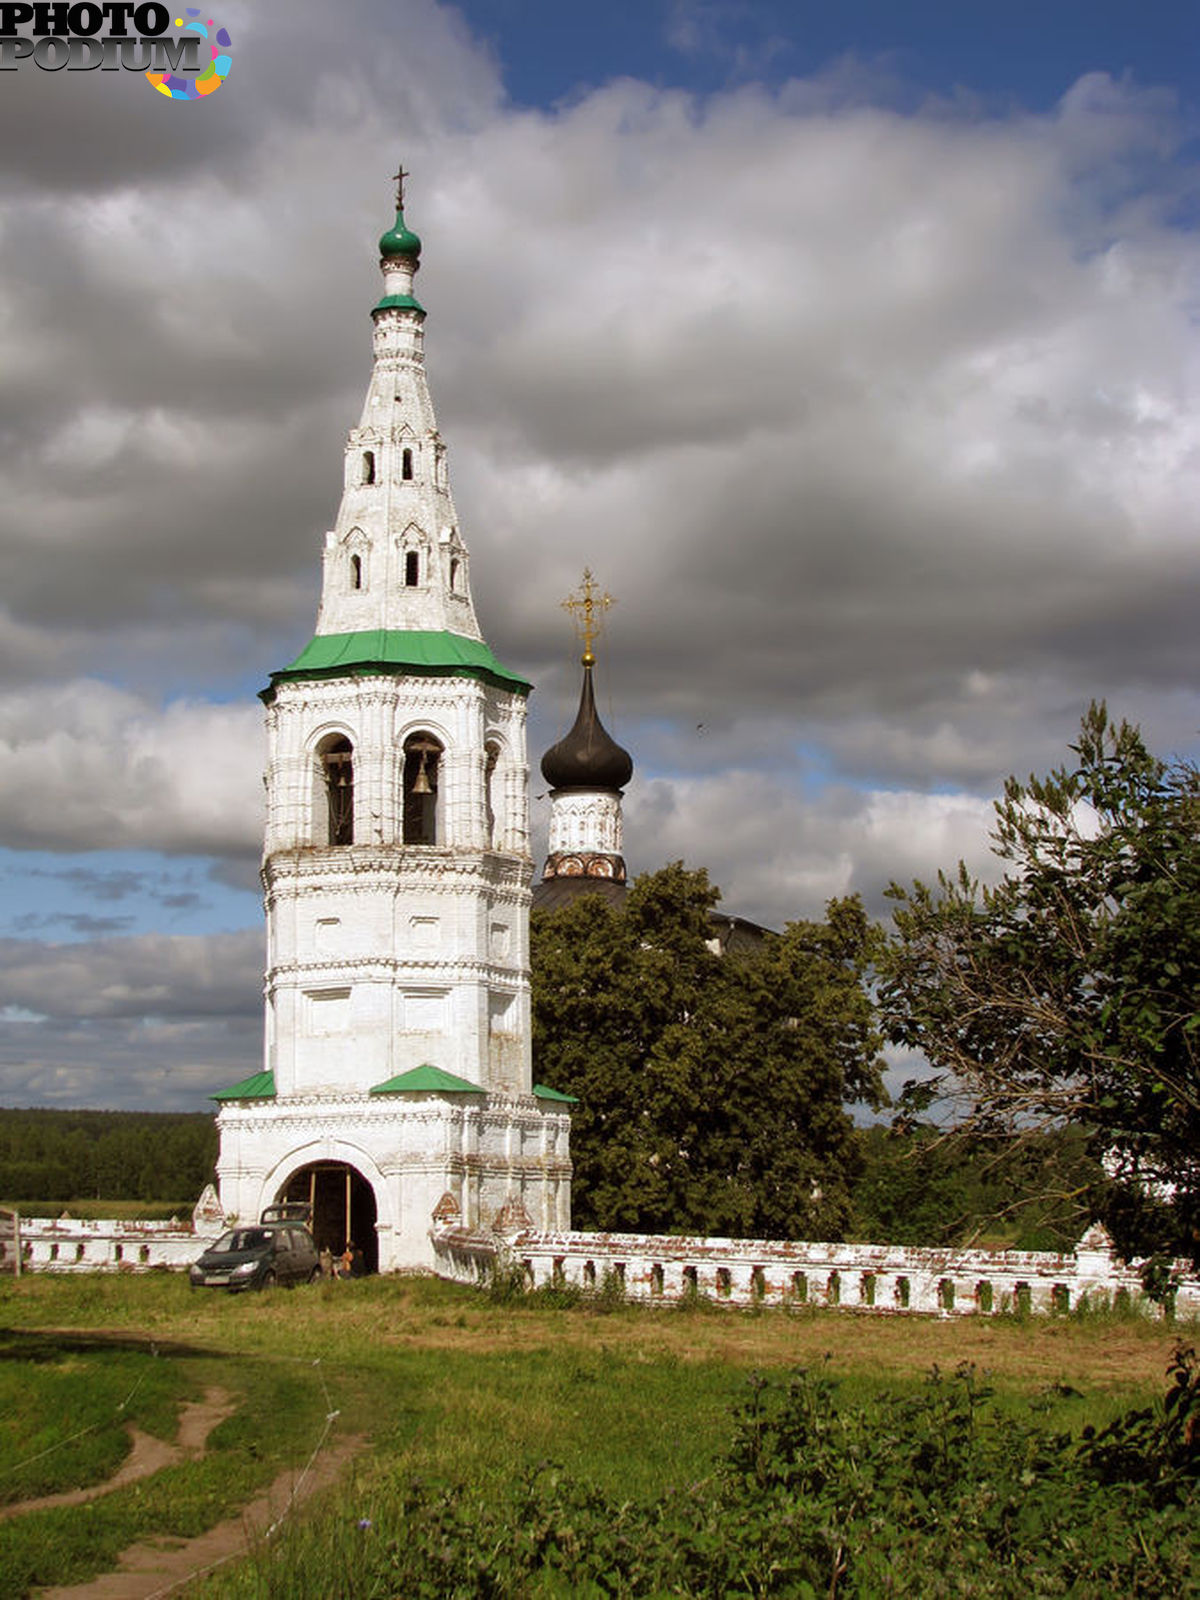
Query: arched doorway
[343,1207]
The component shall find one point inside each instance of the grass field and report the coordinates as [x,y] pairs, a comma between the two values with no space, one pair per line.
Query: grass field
[447,1386]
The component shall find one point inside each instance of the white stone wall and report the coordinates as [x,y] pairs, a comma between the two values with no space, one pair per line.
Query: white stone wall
[384,520]
[108,1246]
[861,1277]
[483,1152]
[382,956]
[585,820]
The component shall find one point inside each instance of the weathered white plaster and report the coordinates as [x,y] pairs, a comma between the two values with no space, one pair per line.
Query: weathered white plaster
[585,820]
[862,1277]
[385,955]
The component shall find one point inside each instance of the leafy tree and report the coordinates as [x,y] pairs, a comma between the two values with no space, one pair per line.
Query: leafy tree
[711,1088]
[920,1186]
[1067,994]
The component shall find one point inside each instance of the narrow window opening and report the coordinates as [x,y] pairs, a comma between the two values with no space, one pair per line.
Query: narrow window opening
[833,1290]
[724,1282]
[406,470]
[491,761]
[455,565]
[984,1296]
[412,569]
[368,467]
[691,1282]
[945,1293]
[867,1291]
[902,1293]
[356,572]
[337,771]
[800,1286]
[589,1274]
[422,760]
[656,1279]
[758,1283]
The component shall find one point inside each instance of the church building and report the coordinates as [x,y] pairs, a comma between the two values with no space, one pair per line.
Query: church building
[396,1089]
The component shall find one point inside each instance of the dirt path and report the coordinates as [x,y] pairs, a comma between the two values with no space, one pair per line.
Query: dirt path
[154,1569]
[197,1419]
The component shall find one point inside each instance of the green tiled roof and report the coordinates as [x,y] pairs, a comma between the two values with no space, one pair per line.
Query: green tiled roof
[258,1086]
[399,302]
[427,1080]
[541,1091]
[425,654]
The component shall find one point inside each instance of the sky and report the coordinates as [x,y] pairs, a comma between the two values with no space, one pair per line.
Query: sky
[853,348]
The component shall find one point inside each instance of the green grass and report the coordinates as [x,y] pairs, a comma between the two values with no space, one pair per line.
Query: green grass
[451,1388]
[65,1402]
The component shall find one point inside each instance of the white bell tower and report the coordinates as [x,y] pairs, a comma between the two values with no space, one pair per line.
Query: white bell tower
[396,868]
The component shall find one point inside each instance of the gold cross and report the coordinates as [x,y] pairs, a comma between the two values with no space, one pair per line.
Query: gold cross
[587,607]
[398,178]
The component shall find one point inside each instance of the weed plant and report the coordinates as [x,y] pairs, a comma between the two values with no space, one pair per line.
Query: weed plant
[936,1492]
[483,1408]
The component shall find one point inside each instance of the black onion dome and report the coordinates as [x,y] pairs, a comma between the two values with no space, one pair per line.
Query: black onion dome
[588,758]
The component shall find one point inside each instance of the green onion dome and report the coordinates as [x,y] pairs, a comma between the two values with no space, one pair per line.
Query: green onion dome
[399,240]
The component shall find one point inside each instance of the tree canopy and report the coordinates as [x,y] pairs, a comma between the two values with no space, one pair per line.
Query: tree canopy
[1067,993]
[712,1089]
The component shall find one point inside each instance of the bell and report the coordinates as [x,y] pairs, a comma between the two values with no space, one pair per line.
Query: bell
[421,784]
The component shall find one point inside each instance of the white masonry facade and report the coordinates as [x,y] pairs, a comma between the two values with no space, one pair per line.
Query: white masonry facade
[396,1089]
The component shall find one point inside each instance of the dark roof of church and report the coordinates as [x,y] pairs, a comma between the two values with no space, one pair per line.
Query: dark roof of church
[553,893]
[588,758]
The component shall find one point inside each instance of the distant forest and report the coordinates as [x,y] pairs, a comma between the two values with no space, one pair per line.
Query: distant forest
[106,1155]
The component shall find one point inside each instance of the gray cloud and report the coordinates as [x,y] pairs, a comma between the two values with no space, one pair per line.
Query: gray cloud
[152,1022]
[879,416]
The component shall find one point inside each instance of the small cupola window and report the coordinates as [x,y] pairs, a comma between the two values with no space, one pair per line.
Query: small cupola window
[368,466]
[412,569]
[406,465]
[356,572]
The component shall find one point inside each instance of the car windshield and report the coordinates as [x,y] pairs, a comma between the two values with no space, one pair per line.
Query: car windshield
[243,1239]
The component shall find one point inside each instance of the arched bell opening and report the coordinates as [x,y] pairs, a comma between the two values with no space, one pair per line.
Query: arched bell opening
[335,761]
[491,794]
[422,764]
[341,1204]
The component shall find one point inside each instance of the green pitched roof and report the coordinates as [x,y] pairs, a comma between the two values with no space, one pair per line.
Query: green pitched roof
[542,1093]
[424,654]
[399,302]
[427,1080]
[258,1086]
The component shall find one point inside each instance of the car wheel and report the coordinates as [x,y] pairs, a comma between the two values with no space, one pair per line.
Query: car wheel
[269,1281]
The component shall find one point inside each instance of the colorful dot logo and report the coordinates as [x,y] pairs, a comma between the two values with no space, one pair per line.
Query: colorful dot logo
[214,55]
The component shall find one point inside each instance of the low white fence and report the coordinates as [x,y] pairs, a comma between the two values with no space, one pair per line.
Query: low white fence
[71,1245]
[883,1279]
